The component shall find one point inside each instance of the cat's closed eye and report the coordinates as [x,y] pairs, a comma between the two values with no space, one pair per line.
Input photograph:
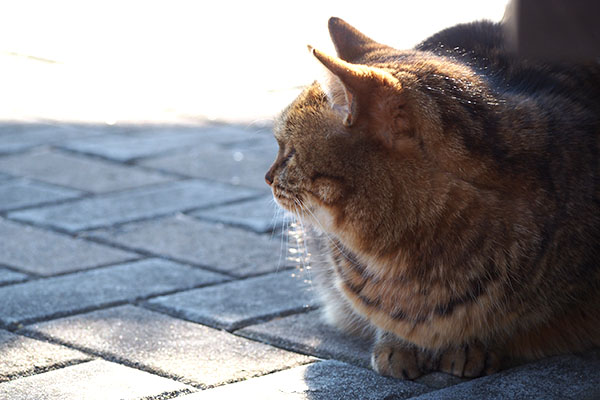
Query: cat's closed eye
[456,236]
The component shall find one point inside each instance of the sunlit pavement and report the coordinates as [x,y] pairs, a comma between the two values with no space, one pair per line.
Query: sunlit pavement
[141,255]
[148,261]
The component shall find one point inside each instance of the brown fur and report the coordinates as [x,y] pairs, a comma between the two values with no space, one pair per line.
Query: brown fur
[458,192]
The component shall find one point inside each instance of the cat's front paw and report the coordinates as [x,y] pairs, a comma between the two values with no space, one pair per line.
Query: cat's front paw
[469,361]
[398,359]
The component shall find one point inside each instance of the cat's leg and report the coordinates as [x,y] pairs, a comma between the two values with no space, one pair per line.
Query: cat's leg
[394,357]
[469,360]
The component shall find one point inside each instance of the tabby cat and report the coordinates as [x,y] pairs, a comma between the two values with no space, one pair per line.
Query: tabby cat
[456,190]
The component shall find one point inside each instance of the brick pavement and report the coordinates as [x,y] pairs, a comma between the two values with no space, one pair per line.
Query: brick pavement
[148,262]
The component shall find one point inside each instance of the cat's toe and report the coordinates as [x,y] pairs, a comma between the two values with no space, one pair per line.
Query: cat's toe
[398,362]
[469,361]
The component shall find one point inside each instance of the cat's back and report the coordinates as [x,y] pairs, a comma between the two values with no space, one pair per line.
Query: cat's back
[483,46]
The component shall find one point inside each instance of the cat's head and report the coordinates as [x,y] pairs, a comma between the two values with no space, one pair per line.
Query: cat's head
[352,158]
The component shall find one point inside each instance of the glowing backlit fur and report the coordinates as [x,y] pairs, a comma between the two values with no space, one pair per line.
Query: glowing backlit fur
[456,190]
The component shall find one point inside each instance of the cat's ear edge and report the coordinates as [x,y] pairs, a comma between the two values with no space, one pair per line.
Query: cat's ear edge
[352,85]
[350,44]
[340,78]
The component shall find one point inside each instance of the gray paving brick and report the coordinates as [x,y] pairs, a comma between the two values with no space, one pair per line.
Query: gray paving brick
[45,298]
[307,333]
[8,276]
[92,380]
[29,136]
[184,238]
[187,351]
[109,209]
[234,304]
[564,377]
[238,165]
[23,356]
[326,380]
[19,193]
[149,142]
[260,215]
[79,172]
[17,127]
[48,253]
[440,380]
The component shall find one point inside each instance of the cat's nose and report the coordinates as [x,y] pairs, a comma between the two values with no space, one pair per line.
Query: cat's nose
[269,178]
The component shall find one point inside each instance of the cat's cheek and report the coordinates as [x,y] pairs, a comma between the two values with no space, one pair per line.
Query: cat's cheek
[328,190]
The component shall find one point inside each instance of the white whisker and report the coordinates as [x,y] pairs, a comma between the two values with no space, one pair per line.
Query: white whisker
[329,238]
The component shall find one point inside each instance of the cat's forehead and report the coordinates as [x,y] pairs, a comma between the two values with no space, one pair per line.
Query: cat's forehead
[298,115]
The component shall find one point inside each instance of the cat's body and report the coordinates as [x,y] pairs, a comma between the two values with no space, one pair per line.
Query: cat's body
[457,190]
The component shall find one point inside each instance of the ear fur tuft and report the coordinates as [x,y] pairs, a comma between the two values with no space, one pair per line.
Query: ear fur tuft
[350,87]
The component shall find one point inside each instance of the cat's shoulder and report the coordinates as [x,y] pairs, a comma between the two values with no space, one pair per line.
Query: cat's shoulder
[475,37]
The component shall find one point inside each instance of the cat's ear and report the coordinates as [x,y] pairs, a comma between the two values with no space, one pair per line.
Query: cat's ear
[350,44]
[353,89]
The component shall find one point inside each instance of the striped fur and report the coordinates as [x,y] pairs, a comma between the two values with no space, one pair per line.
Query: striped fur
[458,201]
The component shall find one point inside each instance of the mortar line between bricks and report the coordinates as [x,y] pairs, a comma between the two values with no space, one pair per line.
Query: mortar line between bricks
[204,267]
[134,160]
[74,233]
[111,161]
[110,357]
[84,196]
[24,150]
[237,326]
[224,145]
[15,269]
[168,395]
[177,177]
[298,348]
[149,254]
[269,317]
[15,326]
[37,181]
[90,196]
[38,277]
[143,254]
[42,370]
[106,356]
[10,283]
[124,162]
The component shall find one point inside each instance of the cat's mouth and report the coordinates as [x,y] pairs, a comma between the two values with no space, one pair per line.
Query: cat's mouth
[286,199]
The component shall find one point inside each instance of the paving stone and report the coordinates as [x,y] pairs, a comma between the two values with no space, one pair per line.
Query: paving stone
[564,377]
[7,276]
[48,253]
[145,143]
[19,193]
[109,209]
[308,334]
[244,166]
[326,380]
[184,350]
[91,380]
[260,215]
[184,238]
[234,304]
[46,298]
[28,136]
[79,172]
[17,127]
[23,356]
